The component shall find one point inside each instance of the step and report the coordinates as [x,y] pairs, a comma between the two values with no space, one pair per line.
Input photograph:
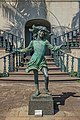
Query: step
[27,58]
[41,79]
[74,40]
[2,49]
[57,70]
[51,68]
[31,74]
[48,63]
[78,35]
[54,70]
[2,52]
[47,58]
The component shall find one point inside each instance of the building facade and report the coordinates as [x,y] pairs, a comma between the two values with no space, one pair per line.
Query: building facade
[18,16]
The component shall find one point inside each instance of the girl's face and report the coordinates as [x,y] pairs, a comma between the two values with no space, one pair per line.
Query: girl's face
[41,34]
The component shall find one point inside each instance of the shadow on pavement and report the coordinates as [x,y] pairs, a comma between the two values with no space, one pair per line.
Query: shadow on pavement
[60,100]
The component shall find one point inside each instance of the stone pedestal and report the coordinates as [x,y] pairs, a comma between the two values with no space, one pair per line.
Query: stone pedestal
[42,102]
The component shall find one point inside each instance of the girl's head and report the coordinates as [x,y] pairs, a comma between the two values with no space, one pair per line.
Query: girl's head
[39,31]
[41,34]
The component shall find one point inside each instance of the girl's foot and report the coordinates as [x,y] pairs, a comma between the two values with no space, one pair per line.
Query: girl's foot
[47,92]
[37,93]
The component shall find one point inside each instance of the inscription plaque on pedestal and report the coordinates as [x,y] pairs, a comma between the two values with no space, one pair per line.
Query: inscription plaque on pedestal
[38,113]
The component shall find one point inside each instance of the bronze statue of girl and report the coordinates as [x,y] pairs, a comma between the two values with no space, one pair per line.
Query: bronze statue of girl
[38,61]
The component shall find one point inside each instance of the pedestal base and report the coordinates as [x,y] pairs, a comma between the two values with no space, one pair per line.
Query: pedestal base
[41,102]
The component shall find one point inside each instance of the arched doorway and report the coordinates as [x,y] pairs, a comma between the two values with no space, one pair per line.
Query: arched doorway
[37,22]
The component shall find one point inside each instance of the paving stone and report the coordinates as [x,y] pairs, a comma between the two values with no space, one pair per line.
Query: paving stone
[78,117]
[77,113]
[14,98]
[45,117]
[69,113]
[65,113]
[76,108]
[13,113]
[66,108]
[17,118]
[23,111]
[60,113]
[2,118]
[66,118]
[32,117]
[48,117]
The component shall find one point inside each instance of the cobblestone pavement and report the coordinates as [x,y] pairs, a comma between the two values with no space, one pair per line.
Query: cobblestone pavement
[14,98]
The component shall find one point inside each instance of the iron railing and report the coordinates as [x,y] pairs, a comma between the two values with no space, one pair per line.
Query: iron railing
[10,62]
[10,41]
[67,62]
[71,38]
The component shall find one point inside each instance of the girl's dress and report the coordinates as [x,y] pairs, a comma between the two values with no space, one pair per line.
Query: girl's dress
[38,60]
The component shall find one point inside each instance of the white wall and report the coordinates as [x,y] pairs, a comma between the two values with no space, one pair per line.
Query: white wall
[64,11]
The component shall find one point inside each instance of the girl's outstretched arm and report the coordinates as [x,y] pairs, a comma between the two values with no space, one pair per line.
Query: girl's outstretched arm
[53,48]
[29,48]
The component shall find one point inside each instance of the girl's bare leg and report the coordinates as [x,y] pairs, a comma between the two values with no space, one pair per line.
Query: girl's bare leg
[36,83]
[45,72]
